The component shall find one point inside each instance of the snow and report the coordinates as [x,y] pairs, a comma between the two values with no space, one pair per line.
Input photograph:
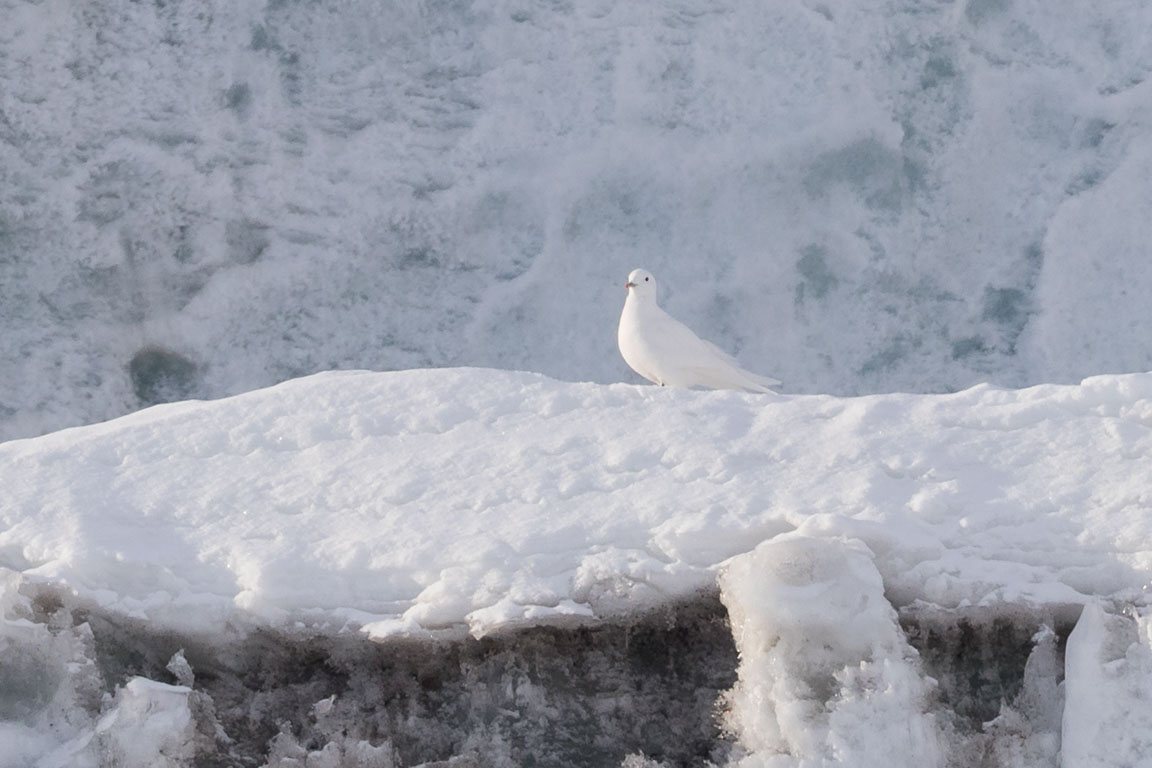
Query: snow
[424,500]
[428,504]
[1107,719]
[200,199]
[239,209]
[809,615]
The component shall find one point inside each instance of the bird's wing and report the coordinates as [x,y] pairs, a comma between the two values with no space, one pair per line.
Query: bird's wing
[675,341]
[762,381]
[731,377]
[721,353]
[701,360]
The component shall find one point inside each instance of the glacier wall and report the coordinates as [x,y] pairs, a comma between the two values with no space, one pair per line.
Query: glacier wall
[204,197]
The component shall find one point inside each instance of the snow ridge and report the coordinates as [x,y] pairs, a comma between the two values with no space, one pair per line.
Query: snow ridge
[420,501]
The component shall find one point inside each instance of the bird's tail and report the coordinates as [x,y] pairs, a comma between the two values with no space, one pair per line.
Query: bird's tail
[757,383]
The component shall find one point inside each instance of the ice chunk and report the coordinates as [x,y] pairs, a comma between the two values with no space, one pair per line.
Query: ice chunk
[286,752]
[1108,676]
[50,686]
[180,668]
[150,726]
[825,673]
[1026,732]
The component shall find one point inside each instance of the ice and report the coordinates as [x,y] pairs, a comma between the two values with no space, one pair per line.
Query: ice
[1107,717]
[50,681]
[826,675]
[453,565]
[550,695]
[859,197]
[1027,730]
[150,724]
[542,558]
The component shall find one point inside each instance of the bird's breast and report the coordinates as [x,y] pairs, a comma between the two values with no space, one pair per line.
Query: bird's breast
[633,338]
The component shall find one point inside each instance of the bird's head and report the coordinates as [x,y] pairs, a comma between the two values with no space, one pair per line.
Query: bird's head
[641,283]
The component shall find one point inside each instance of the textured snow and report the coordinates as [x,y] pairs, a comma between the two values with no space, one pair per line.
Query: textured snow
[201,198]
[1107,717]
[810,615]
[423,500]
[440,503]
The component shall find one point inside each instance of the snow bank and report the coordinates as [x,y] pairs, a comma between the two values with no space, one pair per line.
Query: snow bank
[426,500]
[422,505]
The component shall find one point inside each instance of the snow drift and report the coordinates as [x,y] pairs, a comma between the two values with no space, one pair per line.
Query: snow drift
[885,559]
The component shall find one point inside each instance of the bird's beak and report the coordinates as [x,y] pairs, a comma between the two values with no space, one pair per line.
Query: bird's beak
[629,285]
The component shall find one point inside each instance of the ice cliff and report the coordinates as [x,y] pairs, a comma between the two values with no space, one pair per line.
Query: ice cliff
[200,198]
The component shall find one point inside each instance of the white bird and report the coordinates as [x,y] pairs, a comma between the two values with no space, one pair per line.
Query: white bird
[666,352]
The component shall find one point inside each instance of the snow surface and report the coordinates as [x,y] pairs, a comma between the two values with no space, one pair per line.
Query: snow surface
[428,503]
[205,197]
[202,198]
[421,500]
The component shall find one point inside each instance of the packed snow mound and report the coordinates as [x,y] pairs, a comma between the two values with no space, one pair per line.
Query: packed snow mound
[314,573]
[412,502]
[826,673]
[199,199]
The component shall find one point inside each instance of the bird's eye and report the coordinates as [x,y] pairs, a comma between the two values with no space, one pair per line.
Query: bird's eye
[645,279]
